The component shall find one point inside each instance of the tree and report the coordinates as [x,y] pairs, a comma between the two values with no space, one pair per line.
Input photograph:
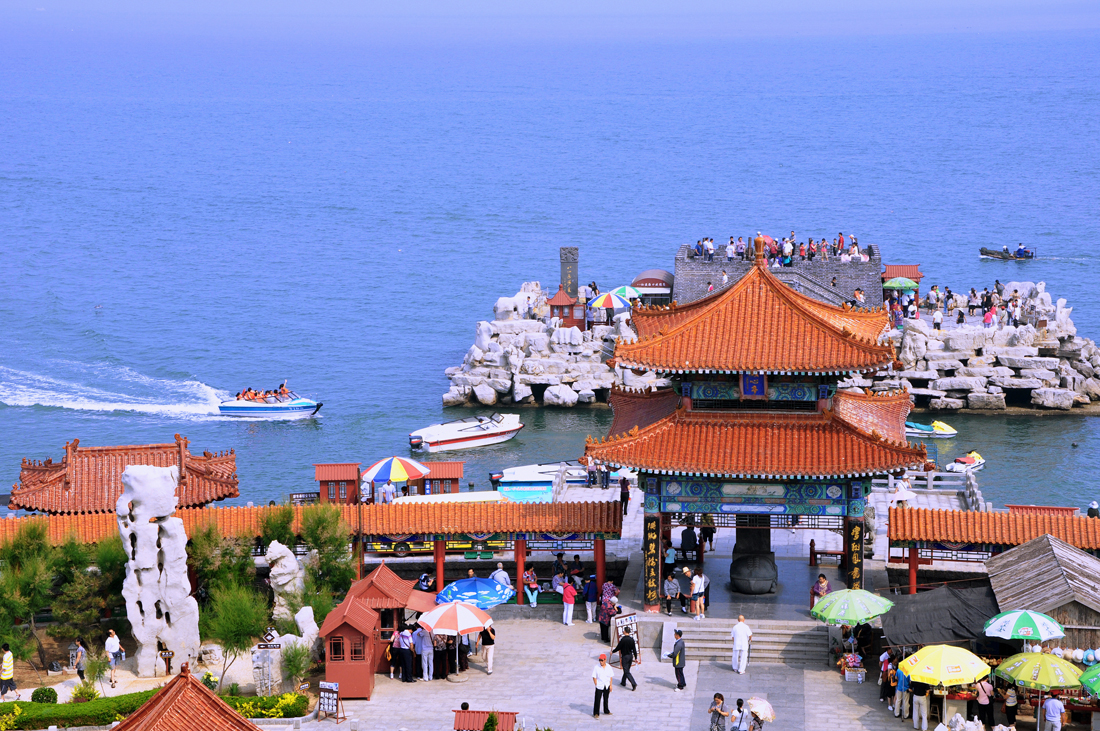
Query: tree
[296,662]
[318,597]
[234,616]
[111,558]
[324,531]
[219,560]
[277,524]
[26,584]
[490,722]
[78,606]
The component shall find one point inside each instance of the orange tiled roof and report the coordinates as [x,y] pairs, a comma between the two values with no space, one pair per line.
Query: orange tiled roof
[475,720]
[757,325]
[640,409]
[761,445]
[377,520]
[335,471]
[884,413]
[395,588]
[353,612]
[185,704]
[1006,529]
[909,271]
[88,479]
[445,470]
[562,298]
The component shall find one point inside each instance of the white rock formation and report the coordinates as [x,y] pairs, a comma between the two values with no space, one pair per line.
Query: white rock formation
[287,578]
[267,664]
[158,597]
[560,395]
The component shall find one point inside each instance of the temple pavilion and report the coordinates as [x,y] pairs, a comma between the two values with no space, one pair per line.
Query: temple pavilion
[753,431]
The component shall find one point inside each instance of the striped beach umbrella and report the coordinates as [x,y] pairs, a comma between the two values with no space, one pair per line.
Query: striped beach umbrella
[609,300]
[626,292]
[396,469]
[850,606]
[944,665]
[455,618]
[1039,671]
[1022,624]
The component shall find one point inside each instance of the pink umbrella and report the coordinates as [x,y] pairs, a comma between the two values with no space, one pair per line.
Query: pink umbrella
[455,618]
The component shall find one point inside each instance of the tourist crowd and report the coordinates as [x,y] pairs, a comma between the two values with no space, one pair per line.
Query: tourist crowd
[785,251]
[995,307]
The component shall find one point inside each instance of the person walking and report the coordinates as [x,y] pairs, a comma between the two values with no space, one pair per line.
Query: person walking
[1053,708]
[602,676]
[741,717]
[488,644]
[81,658]
[568,599]
[678,660]
[114,652]
[718,713]
[902,695]
[920,704]
[591,597]
[7,674]
[742,637]
[624,493]
[628,654]
[422,639]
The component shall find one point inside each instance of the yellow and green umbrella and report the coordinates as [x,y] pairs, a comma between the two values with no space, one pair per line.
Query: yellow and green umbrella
[850,606]
[903,283]
[944,665]
[1039,671]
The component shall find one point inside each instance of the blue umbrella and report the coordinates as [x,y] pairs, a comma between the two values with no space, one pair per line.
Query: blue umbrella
[482,593]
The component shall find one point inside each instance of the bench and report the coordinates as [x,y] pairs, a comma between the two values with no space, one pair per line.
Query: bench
[815,554]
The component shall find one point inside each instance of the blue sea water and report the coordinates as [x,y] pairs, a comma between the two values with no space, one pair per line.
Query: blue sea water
[183,218]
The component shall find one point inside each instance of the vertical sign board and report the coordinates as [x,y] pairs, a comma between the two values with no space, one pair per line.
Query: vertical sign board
[329,702]
[853,551]
[630,620]
[651,553]
[569,278]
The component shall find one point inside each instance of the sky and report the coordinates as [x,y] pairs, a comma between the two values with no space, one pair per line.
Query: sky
[510,21]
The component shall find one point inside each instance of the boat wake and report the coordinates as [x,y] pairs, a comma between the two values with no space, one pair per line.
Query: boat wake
[107,388]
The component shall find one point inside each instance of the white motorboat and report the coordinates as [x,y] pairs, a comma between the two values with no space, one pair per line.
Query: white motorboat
[286,406]
[535,483]
[972,462]
[937,430]
[474,431]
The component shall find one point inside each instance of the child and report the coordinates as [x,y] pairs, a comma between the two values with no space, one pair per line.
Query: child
[717,713]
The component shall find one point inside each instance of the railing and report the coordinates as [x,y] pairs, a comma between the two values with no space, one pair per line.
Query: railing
[963,484]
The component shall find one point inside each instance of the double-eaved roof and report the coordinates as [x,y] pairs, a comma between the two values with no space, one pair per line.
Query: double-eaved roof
[759,325]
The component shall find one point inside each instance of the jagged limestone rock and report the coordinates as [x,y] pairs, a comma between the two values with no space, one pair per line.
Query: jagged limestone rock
[1053,398]
[287,577]
[158,597]
[560,395]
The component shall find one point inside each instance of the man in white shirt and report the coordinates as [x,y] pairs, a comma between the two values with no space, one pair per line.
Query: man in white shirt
[741,636]
[602,676]
[389,492]
[501,576]
[937,320]
[1052,714]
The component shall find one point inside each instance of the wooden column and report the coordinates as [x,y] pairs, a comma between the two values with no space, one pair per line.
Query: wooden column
[651,562]
[853,551]
[914,560]
[521,556]
[439,550]
[601,563]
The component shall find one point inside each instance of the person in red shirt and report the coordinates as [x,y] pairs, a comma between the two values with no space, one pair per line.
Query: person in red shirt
[568,597]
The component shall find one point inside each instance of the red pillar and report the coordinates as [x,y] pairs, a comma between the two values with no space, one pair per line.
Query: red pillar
[601,563]
[521,556]
[914,555]
[439,550]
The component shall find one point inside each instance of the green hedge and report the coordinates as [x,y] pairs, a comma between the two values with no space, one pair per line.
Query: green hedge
[287,705]
[100,712]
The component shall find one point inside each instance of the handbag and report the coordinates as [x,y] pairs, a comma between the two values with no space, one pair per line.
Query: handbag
[388,652]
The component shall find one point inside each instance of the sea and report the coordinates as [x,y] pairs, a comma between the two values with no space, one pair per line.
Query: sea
[183,217]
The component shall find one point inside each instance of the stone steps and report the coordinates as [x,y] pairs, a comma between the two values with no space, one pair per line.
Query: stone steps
[790,643]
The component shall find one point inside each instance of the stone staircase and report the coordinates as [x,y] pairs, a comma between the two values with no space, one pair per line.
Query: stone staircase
[803,642]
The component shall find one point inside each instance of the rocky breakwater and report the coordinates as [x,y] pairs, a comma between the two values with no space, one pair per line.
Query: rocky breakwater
[1041,364]
[515,360]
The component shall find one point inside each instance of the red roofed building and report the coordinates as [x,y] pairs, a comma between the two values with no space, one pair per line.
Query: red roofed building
[442,478]
[337,482]
[909,271]
[185,704]
[566,308]
[753,432]
[88,479]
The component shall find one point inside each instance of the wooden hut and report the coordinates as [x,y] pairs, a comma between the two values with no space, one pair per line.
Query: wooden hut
[442,478]
[1050,576]
[337,482]
[351,637]
[566,308]
[185,704]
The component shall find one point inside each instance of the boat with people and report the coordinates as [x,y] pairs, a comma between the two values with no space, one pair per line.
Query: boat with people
[537,482]
[473,431]
[972,462]
[280,402]
[1021,253]
[935,430]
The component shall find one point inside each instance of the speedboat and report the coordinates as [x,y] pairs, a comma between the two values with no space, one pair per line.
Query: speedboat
[537,482]
[972,462]
[473,431]
[290,406]
[938,430]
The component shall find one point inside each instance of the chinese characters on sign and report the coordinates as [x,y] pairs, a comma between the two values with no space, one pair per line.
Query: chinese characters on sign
[854,551]
[754,385]
[651,550]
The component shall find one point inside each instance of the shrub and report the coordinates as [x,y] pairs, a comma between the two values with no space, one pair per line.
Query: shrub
[277,524]
[44,695]
[210,680]
[490,722]
[84,692]
[234,689]
[287,705]
[100,712]
[9,720]
[234,615]
[296,661]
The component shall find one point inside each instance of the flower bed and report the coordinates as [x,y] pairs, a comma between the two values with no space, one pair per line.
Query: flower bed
[287,705]
[100,712]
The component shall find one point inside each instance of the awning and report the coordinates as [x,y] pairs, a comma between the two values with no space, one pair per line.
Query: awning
[942,615]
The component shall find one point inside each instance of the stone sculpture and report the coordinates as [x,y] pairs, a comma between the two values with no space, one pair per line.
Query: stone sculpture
[158,597]
[267,663]
[287,578]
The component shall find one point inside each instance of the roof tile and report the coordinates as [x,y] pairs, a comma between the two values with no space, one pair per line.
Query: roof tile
[1005,529]
[185,704]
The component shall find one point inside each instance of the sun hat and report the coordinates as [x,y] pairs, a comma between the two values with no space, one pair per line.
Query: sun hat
[1090,657]
[1078,655]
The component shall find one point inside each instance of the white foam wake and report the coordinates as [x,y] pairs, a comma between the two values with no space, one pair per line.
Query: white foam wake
[102,387]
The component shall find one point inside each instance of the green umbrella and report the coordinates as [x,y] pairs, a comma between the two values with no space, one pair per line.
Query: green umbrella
[626,292]
[1039,671]
[900,283]
[1023,624]
[1091,679]
[850,606]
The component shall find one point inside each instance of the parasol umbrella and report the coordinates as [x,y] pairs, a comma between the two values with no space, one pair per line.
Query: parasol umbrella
[943,665]
[761,708]
[455,619]
[1091,679]
[1022,624]
[1039,671]
[900,283]
[626,292]
[850,606]
[609,301]
[482,593]
[397,469]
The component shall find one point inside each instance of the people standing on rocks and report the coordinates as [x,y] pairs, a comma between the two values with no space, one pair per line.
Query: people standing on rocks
[602,675]
[628,655]
[987,318]
[937,320]
[678,660]
[742,638]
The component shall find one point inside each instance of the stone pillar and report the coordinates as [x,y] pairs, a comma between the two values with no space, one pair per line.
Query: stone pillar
[853,551]
[914,560]
[569,276]
[439,551]
[601,562]
[521,557]
[651,562]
